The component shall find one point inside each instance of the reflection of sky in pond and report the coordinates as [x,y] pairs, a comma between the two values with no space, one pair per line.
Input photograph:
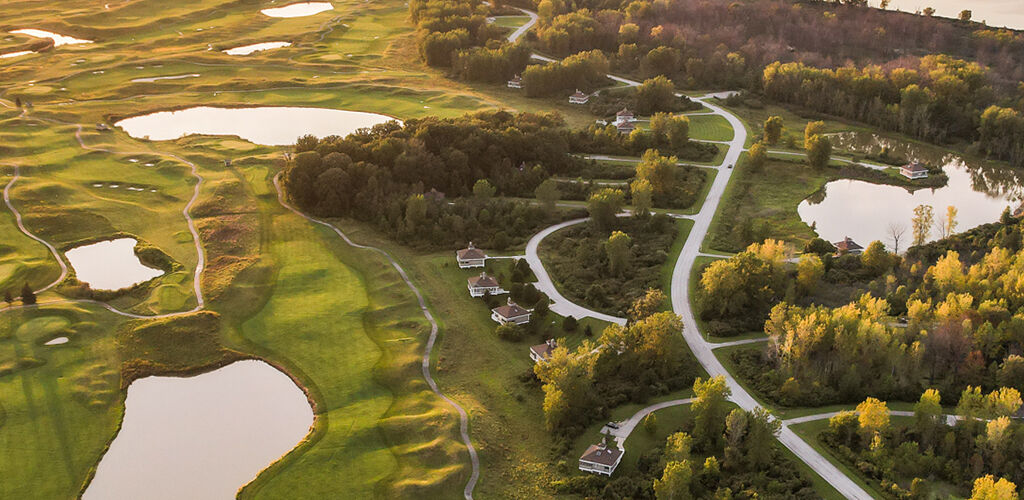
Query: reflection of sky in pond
[110,265]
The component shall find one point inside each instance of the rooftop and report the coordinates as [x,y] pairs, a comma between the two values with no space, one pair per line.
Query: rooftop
[483,281]
[600,454]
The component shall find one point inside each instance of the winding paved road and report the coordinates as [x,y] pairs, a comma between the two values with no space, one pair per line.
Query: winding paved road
[626,426]
[463,416]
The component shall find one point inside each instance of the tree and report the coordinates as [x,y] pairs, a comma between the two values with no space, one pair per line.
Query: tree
[965,15]
[569,324]
[809,271]
[658,170]
[812,129]
[678,447]
[7,297]
[773,129]
[547,194]
[415,211]
[603,206]
[876,259]
[618,249]
[641,192]
[709,410]
[896,232]
[987,488]
[921,223]
[928,415]
[819,151]
[873,416]
[757,156]
[28,297]
[928,11]
[948,225]
[655,94]
[647,305]
[651,423]
[483,190]
[675,482]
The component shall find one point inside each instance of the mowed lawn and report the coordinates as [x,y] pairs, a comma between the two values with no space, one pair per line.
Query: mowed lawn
[710,128]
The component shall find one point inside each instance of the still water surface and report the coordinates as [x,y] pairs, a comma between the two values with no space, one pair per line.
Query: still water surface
[110,265]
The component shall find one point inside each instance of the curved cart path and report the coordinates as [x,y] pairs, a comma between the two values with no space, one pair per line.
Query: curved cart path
[200,253]
[626,426]
[463,416]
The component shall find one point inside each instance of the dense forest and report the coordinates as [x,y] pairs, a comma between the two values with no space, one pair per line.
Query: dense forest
[945,316]
[936,79]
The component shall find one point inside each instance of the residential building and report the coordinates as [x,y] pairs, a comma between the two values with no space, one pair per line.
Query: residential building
[510,313]
[601,459]
[516,82]
[484,284]
[914,170]
[579,98]
[541,352]
[624,116]
[470,257]
[625,127]
[848,246]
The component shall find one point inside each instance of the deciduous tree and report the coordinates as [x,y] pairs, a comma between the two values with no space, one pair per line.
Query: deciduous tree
[773,129]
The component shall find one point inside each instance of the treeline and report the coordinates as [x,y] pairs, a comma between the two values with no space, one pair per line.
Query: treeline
[669,134]
[627,364]
[947,324]
[979,455]
[887,72]
[583,71]
[455,34]
[400,177]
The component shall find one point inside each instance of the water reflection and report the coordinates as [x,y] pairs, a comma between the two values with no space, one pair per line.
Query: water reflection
[110,265]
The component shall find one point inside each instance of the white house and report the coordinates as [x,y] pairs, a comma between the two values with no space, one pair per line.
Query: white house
[848,246]
[510,313]
[541,352]
[470,257]
[625,127]
[579,98]
[914,170]
[601,459]
[484,284]
[516,82]
[624,116]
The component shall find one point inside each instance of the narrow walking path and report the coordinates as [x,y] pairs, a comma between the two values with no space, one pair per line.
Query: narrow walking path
[719,345]
[625,427]
[950,419]
[463,416]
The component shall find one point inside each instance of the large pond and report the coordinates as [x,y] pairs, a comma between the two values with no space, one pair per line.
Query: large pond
[110,265]
[865,212]
[256,47]
[270,126]
[201,437]
[298,9]
[58,39]
[999,13]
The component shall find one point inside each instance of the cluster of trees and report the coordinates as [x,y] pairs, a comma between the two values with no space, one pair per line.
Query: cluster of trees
[979,455]
[582,71]
[736,294]
[447,27]
[654,95]
[775,47]
[608,268]
[627,364]
[398,176]
[946,323]
[666,133]
[28,296]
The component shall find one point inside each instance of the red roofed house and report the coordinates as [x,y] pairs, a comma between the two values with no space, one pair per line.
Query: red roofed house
[914,170]
[470,257]
[848,246]
[624,116]
[482,285]
[541,352]
[579,98]
[510,313]
[601,459]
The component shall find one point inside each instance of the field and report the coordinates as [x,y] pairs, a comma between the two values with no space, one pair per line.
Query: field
[710,128]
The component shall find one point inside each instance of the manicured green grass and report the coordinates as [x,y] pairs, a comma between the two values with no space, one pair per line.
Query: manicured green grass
[512,22]
[710,128]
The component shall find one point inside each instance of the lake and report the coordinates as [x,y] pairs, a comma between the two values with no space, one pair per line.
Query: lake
[998,13]
[110,265]
[864,211]
[298,9]
[202,437]
[266,125]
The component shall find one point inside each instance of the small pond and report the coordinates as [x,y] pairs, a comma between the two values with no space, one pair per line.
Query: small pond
[15,54]
[159,78]
[864,211]
[256,47]
[202,437]
[267,125]
[298,9]
[58,39]
[110,265]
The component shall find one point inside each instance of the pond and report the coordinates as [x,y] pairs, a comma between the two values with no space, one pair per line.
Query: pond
[256,47]
[58,39]
[159,78]
[298,9]
[202,437]
[266,125]
[998,13]
[866,212]
[110,265]
[15,54]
